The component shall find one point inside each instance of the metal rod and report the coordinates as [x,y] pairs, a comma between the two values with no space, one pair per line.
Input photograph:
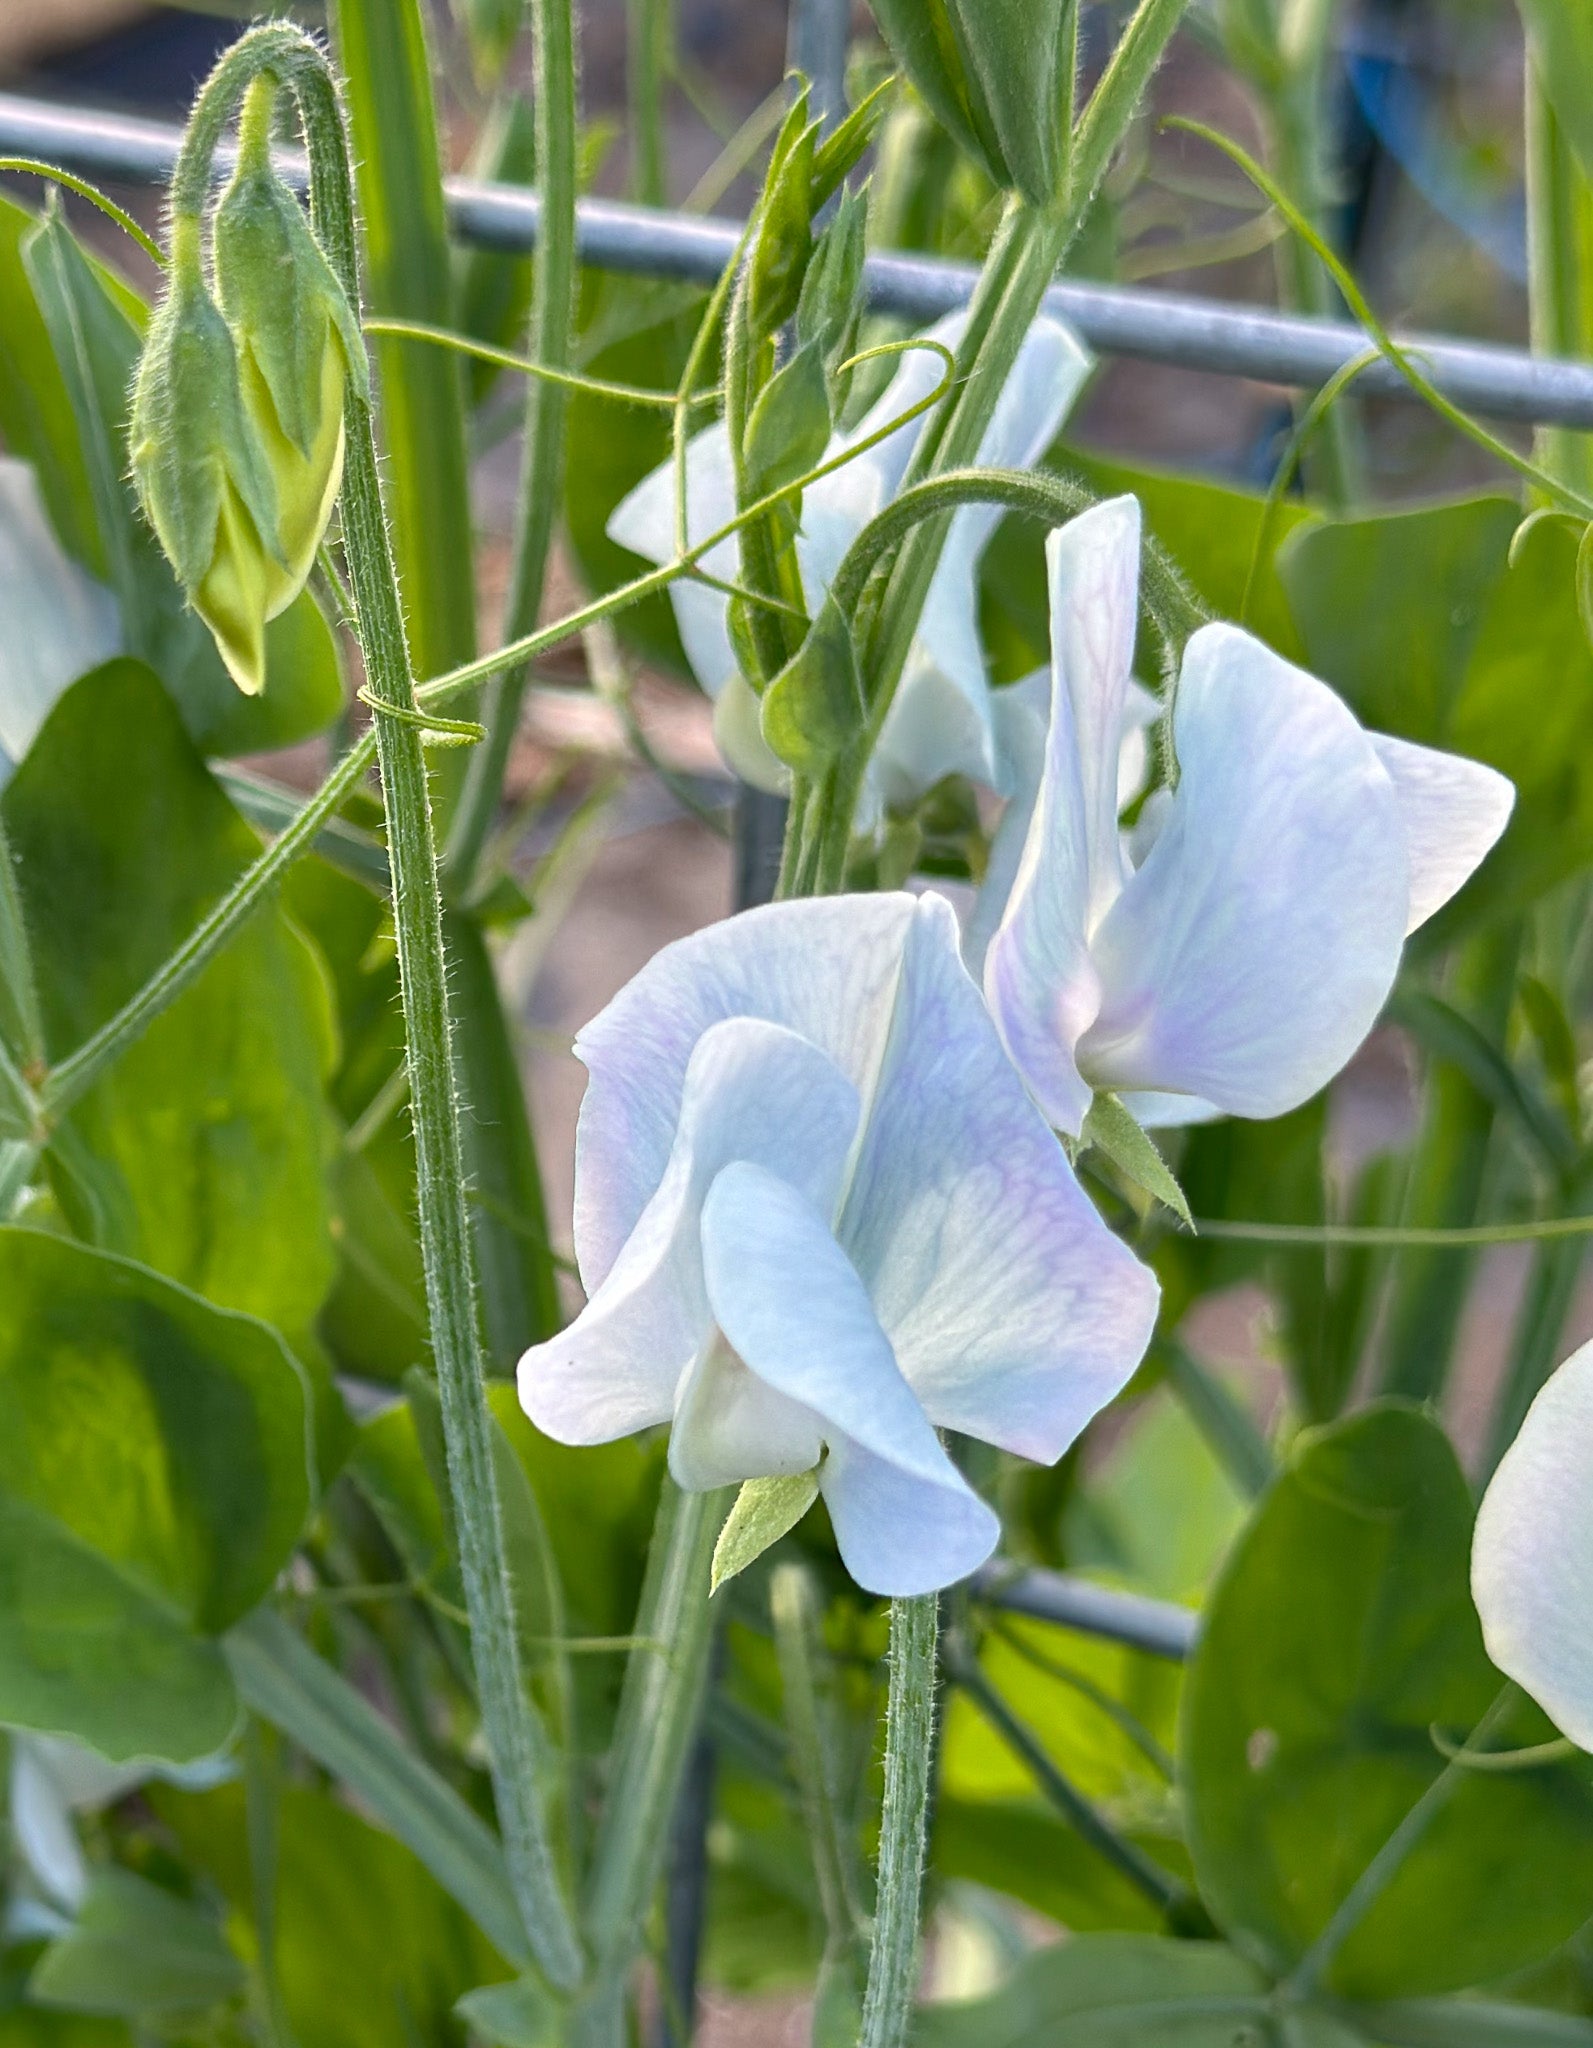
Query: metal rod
[1162,327]
[1154,1625]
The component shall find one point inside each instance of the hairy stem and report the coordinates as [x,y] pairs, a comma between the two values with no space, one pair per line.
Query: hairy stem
[909,1746]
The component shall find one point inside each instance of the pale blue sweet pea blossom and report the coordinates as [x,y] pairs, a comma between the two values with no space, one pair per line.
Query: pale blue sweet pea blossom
[941,721]
[1231,953]
[817,1219]
[1532,1554]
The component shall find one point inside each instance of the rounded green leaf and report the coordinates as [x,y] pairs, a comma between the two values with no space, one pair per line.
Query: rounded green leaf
[1339,1643]
[154,1478]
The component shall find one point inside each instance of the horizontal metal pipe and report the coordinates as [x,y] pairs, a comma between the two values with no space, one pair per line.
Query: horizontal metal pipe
[1161,327]
[1154,1625]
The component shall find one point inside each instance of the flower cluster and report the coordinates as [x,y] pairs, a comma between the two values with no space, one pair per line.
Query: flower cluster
[822,1211]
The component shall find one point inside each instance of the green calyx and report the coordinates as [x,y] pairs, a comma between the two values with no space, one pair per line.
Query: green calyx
[999,77]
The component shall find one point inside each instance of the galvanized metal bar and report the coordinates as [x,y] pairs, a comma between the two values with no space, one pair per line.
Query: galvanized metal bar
[1154,1625]
[1161,327]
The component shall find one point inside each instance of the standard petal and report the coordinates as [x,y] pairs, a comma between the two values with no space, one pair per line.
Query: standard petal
[898,1534]
[1039,976]
[752,1091]
[1250,955]
[1532,1556]
[941,721]
[826,969]
[1453,810]
[644,522]
[1020,712]
[1013,1312]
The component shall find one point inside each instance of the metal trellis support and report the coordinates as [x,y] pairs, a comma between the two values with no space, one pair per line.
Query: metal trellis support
[1162,327]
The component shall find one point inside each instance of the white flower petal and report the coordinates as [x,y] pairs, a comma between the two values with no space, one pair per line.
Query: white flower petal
[1168,1112]
[738,734]
[1250,955]
[59,622]
[1039,976]
[898,1534]
[1020,712]
[826,969]
[42,1828]
[1532,1556]
[644,522]
[795,1309]
[1453,811]
[754,1091]
[1013,1312]
[731,1425]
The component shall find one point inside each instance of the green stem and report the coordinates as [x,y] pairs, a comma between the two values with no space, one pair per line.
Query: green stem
[649,47]
[1446,1180]
[909,1746]
[21,1019]
[262,1783]
[1143,1872]
[513,1737]
[658,1716]
[551,341]
[792,1608]
[1560,268]
[1540,1326]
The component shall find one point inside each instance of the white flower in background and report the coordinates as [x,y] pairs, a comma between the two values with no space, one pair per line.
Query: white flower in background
[1229,955]
[941,721]
[1532,1555]
[54,1778]
[817,1217]
[57,621]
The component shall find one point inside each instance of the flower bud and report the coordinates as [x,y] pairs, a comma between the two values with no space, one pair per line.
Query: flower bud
[199,470]
[296,339]
[998,75]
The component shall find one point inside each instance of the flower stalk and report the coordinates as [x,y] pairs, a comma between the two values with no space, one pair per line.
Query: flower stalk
[514,1739]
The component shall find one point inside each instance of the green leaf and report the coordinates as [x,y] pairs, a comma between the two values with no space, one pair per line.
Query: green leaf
[280,1677]
[790,425]
[371,1952]
[207,1139]
[381,49]
[1473,2023]
[137,1950]
[1339,1635]
[154,1479]
[1020,1848]
[520,2015]
[1433,633]
[764,1511]
[779,257]
[814,709]
[1112,1130]
[1110,1991]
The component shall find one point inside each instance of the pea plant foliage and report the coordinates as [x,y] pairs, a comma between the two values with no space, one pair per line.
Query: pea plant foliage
[990,1521]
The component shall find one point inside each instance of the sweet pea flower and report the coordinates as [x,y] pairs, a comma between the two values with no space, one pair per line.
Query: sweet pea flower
[1532,1555]
[941,721]
[1229,955]
[818,1218]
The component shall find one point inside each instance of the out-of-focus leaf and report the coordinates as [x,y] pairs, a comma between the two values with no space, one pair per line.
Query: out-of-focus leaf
[208,1136]
[1473,2023]
[58,620]
[492,289]
[137,1950]
[619,444]
[1110,1991]
[517,2015]
[1560,39]
[282,1679]
[519,1283]
[381,48]
[1339,1636]
[1020,1848]
[1433,633]
[370,1949]
[153,1481]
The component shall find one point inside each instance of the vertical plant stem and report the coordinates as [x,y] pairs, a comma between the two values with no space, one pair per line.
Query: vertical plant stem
[793,1609]
[513,1737]
[1445,1183]
[909,1745]
[21,1020]
[664,1680]
[1560,268]
[649,47]
[550,341]
[262,1783]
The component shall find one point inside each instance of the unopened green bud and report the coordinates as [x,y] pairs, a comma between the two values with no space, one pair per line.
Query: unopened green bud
[296,337]
[199,470]
[998,74]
